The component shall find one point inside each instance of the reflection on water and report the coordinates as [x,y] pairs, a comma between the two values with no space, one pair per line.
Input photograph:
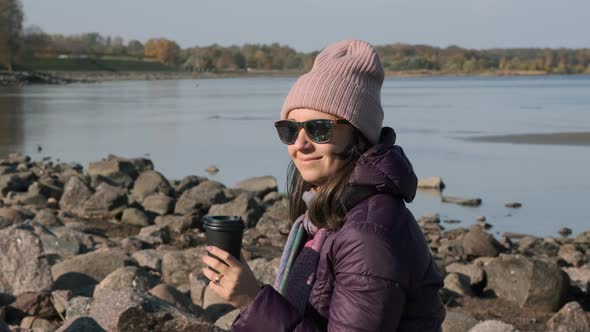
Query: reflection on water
[11,121]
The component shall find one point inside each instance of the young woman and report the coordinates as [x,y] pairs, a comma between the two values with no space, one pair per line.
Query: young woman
[355,259]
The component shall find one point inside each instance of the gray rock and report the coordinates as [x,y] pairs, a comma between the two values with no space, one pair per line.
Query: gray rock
[579,277]
[260,186]
[38,324]
[48,218]
[18,158]
[458,322]
[200,198]
[572,255]
[12,215]
[177,223]
[22,258]
[215,306]
[493,326]
[461,201]
[132,311]
[458,283]
[35,304]
[475,274]
[478,243]
[65,242]
[107,202]
[60,299]
[264,270]
[151,182]
[149,258]
[133,216]
[78,306]
[275,223]
[12,183]
[155,234]
[528,282]
[583,237]
[81,324]
[176,265]
[76,193]
[114,172]
[244,205]
[89,269]
[158,203]
[570,318]
[271,198]
[434,182]
[174,297]
[189,182]
[197,283]
[129,277]
[225,322]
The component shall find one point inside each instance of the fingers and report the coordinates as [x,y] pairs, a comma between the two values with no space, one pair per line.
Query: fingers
[215,264]
[224,255]
[212,276]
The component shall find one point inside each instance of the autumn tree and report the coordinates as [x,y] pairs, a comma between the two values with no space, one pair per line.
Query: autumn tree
[164,50]
[11,20]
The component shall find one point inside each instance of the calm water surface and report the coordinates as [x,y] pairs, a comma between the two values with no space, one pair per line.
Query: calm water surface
[185,126]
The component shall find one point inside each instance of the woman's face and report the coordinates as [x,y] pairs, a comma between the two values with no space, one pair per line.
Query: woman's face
[316,162]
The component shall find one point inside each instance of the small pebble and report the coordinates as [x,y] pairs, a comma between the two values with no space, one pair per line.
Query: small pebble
[565,232]
[513,205]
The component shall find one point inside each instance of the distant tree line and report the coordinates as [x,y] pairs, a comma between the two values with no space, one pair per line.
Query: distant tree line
[18,45]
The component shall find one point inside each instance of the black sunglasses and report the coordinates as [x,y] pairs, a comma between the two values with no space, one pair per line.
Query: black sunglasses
[318,131]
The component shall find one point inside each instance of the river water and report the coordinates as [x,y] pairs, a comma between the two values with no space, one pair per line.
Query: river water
[184,126]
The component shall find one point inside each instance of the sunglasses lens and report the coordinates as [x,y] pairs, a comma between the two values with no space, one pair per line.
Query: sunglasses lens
[319,131]
[287,131]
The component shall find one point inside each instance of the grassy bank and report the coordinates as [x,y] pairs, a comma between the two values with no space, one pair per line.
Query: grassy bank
[89,64]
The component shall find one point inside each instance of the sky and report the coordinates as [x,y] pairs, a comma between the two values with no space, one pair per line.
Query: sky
[309,25]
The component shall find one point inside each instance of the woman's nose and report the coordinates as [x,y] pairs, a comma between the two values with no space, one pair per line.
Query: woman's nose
[302,142]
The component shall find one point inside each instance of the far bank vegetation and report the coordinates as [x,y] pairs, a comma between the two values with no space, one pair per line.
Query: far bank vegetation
[31,48]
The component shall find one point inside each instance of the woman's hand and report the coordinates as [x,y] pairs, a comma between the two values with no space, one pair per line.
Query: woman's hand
[235,282]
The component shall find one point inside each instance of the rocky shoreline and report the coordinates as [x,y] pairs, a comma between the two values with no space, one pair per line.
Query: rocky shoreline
[117,246]
[10,79]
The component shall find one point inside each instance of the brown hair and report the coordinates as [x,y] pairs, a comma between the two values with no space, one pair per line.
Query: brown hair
[327,209]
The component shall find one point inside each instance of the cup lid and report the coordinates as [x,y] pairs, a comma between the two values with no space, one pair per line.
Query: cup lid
[227,223]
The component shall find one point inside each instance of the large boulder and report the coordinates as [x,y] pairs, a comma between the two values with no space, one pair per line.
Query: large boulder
[76,193]
[81,324]
[200,198]
[493,326]
[260,186]
[84,271]
[572,254]
[175,297]
[150,258]
[158,203]
[458,283]
[137,217]
[177,223]
[528,282]
[129,277]
[475,274]
[12,182]
[244,206]
[275,223]
[458,322]
[478,243]
[579,277]
[148,183]
[107,202]
[128,310]
[116,172]
[264,270]
[23,264]
[570,318]
[177,265]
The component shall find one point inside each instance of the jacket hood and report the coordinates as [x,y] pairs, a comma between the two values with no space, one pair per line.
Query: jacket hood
[385,168]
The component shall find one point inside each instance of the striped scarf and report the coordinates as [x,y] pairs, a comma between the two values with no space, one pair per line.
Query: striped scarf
[296,273]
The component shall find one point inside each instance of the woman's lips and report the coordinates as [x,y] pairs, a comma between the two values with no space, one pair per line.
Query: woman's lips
[309,160]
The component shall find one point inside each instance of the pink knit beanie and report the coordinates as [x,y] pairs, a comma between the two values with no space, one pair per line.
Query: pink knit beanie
[345,81]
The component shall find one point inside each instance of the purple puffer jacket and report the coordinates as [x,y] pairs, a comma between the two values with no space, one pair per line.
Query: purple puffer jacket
[376,272]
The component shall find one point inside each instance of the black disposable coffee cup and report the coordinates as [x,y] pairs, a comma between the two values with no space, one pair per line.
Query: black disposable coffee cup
[225,232]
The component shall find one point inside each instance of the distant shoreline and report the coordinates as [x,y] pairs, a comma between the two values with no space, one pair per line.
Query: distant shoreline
[559,138]
[65,77]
